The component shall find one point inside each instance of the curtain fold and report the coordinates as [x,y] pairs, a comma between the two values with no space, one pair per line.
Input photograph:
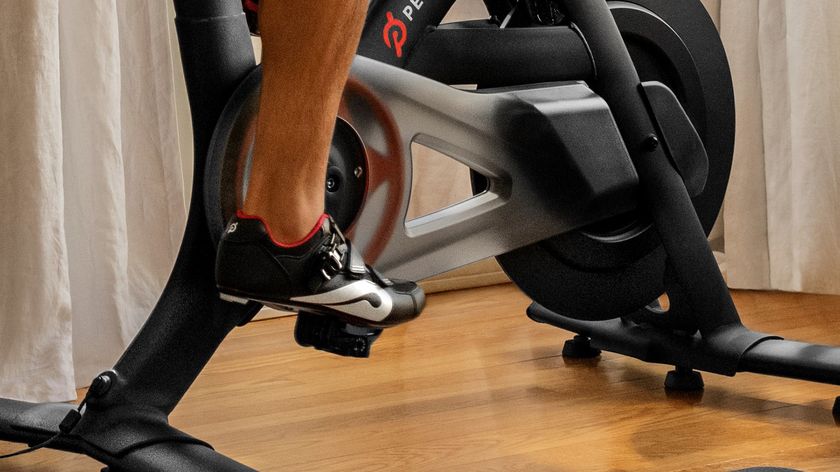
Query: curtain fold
[781,214]
[35,321]
[94,177]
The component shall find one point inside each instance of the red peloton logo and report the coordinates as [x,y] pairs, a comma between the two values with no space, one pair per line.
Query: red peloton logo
[395,32]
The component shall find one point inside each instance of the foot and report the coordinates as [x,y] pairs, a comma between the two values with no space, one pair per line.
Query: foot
[322,274]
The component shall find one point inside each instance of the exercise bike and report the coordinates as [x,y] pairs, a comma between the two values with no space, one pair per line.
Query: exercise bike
[599,135]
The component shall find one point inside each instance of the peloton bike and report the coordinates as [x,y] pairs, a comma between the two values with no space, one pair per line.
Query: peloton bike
[600,138]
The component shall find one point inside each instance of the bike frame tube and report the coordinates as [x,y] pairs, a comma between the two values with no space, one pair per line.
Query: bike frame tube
[410,28]
[466,54]
[482,53]
[216,54]
[663,190]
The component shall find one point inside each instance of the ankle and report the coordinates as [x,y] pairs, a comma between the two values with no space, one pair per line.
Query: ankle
[292,231]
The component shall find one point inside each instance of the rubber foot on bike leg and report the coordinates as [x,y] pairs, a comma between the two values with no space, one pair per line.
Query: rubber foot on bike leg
[835,410]
[684,380]
[580,347]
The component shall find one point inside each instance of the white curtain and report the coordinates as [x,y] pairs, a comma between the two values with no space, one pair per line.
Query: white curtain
[90,182]
[782,213]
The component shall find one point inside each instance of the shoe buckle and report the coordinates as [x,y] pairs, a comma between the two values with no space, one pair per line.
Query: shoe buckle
[332,260]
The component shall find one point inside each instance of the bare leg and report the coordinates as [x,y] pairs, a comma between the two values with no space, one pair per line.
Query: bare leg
[308,47]
[282,252]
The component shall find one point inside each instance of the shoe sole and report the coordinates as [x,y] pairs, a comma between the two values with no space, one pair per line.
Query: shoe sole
[316,309]
[233,299]
[244,301]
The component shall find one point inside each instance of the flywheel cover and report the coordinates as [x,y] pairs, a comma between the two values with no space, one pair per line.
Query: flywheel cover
[608,272]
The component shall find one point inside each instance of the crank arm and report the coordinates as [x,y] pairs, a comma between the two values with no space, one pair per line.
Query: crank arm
[552,154]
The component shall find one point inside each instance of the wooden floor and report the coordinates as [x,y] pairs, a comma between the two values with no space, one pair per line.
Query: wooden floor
[474,385]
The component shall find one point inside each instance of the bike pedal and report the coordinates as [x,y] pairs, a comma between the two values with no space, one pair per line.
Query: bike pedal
[332,335]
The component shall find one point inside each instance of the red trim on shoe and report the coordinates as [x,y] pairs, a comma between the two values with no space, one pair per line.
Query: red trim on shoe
[251,5]
[241,214]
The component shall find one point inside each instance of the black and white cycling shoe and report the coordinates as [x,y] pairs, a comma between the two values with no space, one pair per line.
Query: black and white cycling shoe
[323,274]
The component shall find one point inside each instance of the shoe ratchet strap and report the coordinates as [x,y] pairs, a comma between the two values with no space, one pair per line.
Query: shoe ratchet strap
[332,256]
[338,252]
[355,263]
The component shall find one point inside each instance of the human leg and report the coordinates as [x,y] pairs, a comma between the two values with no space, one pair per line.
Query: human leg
[280,249]
[307,51]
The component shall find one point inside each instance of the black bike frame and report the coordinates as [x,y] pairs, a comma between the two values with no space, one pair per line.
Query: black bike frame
[480,52]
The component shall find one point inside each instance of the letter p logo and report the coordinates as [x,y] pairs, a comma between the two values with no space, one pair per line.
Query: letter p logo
[394,34]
